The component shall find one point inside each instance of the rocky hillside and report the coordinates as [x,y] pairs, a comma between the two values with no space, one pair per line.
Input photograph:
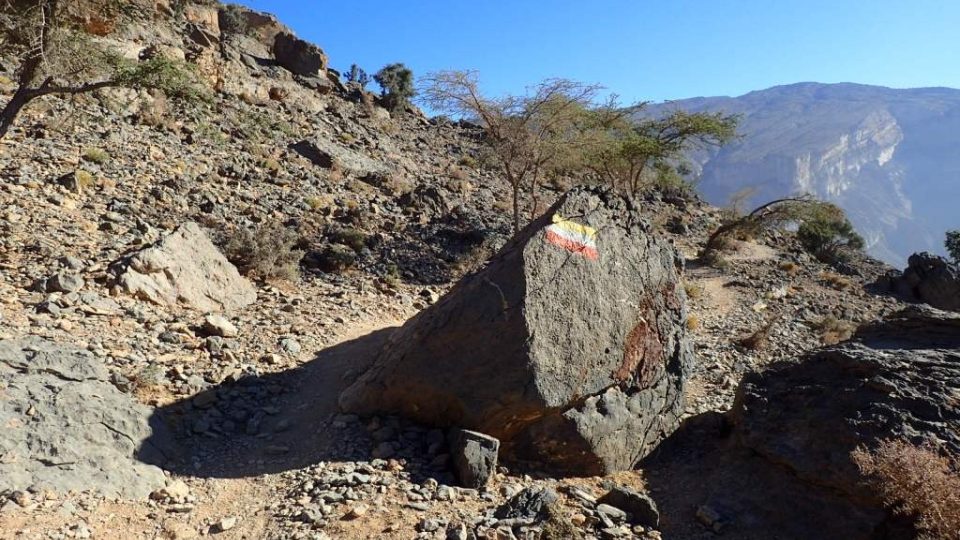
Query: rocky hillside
[886,156]
[199,309]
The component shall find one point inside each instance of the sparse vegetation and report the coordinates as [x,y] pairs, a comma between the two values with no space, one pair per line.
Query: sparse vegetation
[693,322]
[833,330]
[96,155]
[268,251]
[631,151]
[789,267]
[836,281]
[766,216]
[915,481]
[58,57]
[396,83]
[233,20]
[357,75]
[350,237]
[531,136]
[694,290]
[952,244]
[760,339]
[827,234]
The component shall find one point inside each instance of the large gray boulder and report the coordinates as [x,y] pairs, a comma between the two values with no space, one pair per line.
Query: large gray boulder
[930,279]
[569,346]
[899,378]
[66,427]
[186,269]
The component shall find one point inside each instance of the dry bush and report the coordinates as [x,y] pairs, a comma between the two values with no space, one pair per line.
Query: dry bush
[833,330]
[693,322]
[558,525]
[915,481]
[473,259]
[760,339]
[268,251]
[96,155]
[694,290]
[835,280]
[790,268]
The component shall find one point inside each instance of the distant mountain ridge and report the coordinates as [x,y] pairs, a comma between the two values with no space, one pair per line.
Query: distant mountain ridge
[889,157]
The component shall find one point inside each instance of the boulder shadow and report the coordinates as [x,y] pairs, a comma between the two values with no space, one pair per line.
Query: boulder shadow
[262,424]
[706,483]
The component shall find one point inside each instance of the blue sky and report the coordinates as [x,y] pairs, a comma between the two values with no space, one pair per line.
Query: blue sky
[643,50]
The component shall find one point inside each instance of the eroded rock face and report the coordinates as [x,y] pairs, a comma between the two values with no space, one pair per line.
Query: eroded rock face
[899,378]
[299,56]
[569,346]
[186,269]
[66,427]
[929,279]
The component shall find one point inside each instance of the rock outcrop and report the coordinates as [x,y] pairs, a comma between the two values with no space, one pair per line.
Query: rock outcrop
[298,56]
[186,269]
[66,427]
[569,346]
[929,279]
[898,378]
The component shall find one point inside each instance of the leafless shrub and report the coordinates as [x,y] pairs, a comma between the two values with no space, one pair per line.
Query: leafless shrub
[915,481]
[268,251]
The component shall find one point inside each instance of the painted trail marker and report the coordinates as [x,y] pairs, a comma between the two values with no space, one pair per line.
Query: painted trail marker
[573,237]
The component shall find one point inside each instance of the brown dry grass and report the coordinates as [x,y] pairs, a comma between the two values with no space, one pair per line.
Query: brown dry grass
[915,481]
[836,281]
[760,339]
[833,330]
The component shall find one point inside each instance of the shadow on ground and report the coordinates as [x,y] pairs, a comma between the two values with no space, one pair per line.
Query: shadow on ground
[266,424]
[702,468]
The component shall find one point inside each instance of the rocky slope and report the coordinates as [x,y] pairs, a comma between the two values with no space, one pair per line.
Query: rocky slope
[886,156]
[347,221]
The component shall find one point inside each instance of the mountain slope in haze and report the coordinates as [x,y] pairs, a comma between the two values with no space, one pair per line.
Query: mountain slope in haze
[889,157]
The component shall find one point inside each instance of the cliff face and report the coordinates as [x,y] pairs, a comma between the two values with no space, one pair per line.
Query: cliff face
[888,157]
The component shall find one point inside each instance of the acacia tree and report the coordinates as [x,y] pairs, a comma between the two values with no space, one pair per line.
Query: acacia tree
[58,57]
[822,228]
[632,149]
[765,216]
[528,136]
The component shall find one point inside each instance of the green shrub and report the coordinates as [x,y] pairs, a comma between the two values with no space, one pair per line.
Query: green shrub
[96,155]
[827,234]
[233,20]
[396,82]
[353,238]
[953,245]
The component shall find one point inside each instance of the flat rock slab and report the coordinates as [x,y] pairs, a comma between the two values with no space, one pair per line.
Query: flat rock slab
[570,346]
[896,379]
[66,427]
[186,269]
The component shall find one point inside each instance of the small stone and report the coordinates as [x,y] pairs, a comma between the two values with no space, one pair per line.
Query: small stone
[290,345]
[65,282]
[428,525]
[356,511]
[615,514]
[226,524]
[176,491]
[641,507]
[474,456]
[218,325]
[712,518]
